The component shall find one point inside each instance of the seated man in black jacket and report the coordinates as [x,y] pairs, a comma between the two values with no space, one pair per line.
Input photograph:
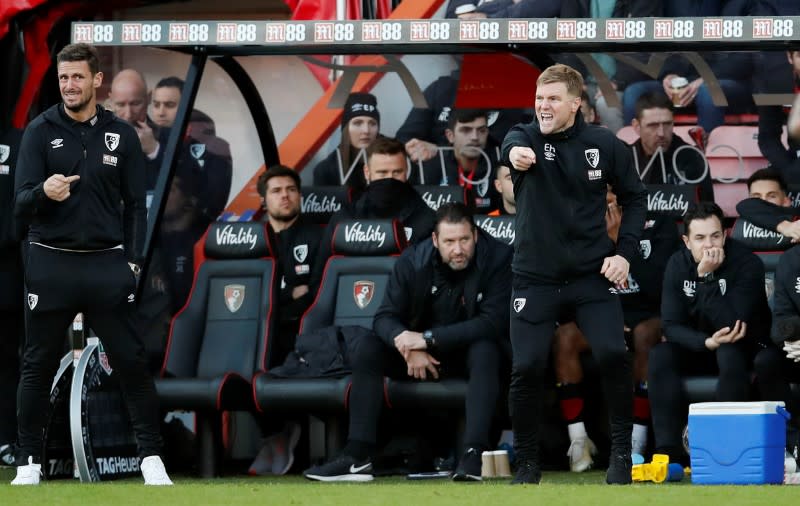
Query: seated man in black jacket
[445,309]
[769,205]
[714,313]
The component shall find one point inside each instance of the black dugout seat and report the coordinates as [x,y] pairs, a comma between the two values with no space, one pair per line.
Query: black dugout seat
[219,339]
[435,195]
[351,290]
[503,228]
[319,203]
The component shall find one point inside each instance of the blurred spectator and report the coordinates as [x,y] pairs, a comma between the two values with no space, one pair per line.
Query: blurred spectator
[469,163]
[588,109]
[654,152]
[505,187]
[732,70]
[771,120]
[11,296]
[621,75]
[388,195]
[479,9]
[360,126]
[715,313]
[641,306]
[165,99]
[129,98]
[424,128]
[769,205]
[444,311]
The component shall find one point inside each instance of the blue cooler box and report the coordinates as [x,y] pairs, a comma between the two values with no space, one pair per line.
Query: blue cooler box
[737,442]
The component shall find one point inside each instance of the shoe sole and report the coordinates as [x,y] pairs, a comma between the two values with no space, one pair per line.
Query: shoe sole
[466,477]
[294,438]
[344,477]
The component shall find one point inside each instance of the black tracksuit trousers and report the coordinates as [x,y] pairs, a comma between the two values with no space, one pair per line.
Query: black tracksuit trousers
[535,309]
[101,285]
[373,359]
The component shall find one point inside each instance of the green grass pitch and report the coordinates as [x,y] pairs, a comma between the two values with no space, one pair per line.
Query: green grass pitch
[556,488]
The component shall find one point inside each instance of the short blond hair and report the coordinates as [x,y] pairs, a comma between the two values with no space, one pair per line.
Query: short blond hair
[560,73]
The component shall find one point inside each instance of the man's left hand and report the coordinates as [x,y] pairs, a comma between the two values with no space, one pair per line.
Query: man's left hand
[407,341]
[615,269]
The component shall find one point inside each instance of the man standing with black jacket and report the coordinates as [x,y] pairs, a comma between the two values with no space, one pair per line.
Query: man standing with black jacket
[80,188]
[443,311]
[714,313]
[564,261]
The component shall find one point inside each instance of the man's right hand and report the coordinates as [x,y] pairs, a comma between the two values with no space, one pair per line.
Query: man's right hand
[790,229]
[521,157]
[421,151]
[146,137]
[56,187]
[727,335]
[712,259]
[420,363]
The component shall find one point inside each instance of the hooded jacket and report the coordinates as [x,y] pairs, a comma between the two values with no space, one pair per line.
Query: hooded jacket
[106,206]
[561,201]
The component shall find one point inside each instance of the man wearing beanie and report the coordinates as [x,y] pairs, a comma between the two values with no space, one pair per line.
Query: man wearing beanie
[360,125]
[387,195]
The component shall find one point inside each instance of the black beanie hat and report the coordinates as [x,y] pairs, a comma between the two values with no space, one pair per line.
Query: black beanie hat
[360,104]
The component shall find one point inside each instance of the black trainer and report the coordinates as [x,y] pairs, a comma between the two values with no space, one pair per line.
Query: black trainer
[469,467]
[342,468]
[619,467]
[528,472]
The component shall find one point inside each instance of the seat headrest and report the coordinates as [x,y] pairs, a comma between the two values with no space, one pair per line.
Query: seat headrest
[237,240]
[318,203]
[435,195]
[670,199]
[757,238]
[368,238]
[502,228]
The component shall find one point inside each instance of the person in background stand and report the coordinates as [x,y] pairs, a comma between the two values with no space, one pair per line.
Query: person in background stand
[505,187]
[80,189]
[11,297]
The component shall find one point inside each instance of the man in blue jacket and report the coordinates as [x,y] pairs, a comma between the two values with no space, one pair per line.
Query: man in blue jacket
[444,312]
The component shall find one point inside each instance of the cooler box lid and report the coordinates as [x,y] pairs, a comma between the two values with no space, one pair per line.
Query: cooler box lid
[735,408]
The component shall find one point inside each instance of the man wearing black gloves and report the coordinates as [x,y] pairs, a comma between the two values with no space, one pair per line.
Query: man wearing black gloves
[80,188]
[388,195]
[444,305]
[714,313]
[564,261]
[776,368]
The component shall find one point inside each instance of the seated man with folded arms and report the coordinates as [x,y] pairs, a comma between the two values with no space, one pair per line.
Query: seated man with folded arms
[714,314]
[445,310]
[769,205]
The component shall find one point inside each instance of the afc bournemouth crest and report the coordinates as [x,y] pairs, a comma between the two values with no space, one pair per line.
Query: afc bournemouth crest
[645,247]
[593,157]
[112,141]
[234,297]
[300,253]
[5,151]
[363,292]
[197,151]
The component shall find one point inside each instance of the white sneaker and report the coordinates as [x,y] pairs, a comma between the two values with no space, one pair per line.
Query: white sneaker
[28,474]
[154,472]
[580,455]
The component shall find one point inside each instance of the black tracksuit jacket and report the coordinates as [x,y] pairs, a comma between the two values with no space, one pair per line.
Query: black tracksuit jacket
[693,309]
[107,204]
[487,291]
[561,201]
[786,303]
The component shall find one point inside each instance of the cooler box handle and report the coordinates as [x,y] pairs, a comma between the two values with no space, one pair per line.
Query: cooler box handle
[782,411]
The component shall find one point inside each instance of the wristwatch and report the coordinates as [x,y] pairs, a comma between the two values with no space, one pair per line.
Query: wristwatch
[430,342]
